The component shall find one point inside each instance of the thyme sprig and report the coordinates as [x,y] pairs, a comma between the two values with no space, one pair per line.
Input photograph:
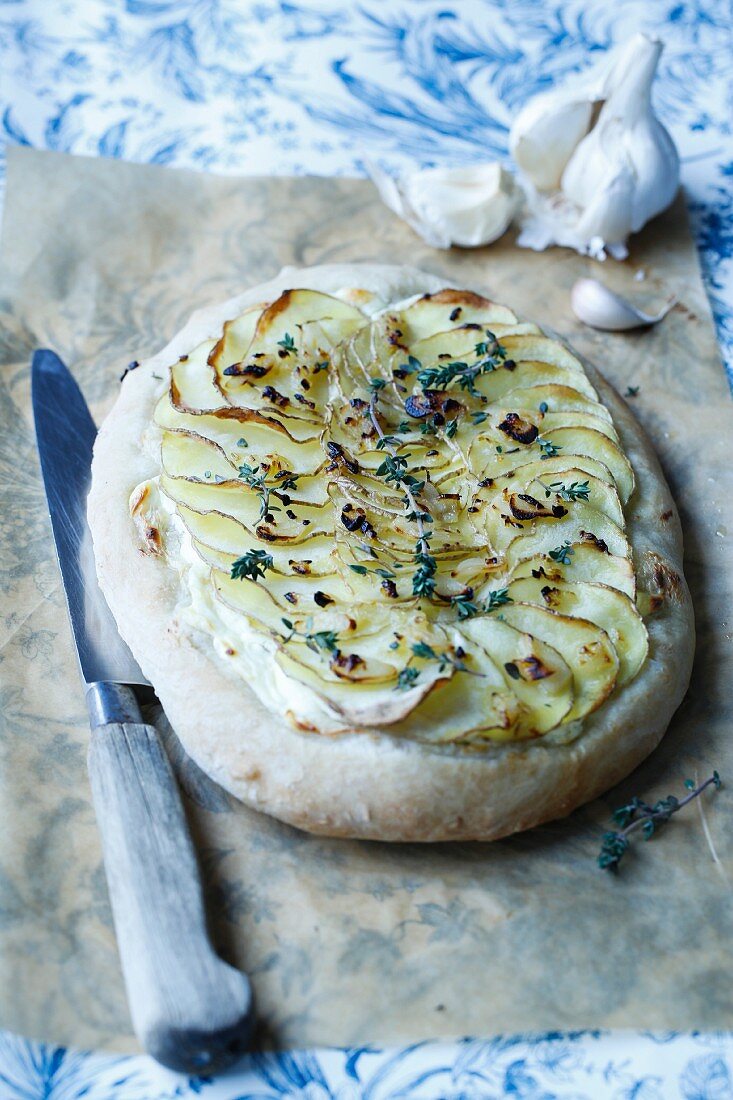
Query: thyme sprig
[464,605]
[466,608]
[394,468]
[446,658]
[498,598]
[251,565]
[319,640]
[577,490]
[256,478]
[548,448]
[562,554]
[380,571]
[440,377]
[638,814]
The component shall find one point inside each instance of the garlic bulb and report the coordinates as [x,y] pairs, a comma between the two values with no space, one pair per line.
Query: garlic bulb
[468,206]
[595,305]
[598,162]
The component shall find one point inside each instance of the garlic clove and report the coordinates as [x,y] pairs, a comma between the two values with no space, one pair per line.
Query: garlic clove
[548,129]
[545,135]
[392,195]
[468,206]
[608,213]
[595,305]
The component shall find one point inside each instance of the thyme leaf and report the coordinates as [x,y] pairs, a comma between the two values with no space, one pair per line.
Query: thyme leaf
[411,366]
[498,598]
[406,678]
[466,608]
[287,344]
[318,640]
[251,565]
[379,571]
[548,448]
[562,554]
[464,605]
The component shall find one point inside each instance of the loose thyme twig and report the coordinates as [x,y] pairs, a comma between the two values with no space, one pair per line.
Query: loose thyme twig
[640,815]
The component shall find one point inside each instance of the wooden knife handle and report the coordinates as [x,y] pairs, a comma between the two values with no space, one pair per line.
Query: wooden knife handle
[190,1010]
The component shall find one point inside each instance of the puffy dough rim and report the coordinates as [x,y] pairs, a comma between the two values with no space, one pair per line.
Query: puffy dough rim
[373,786]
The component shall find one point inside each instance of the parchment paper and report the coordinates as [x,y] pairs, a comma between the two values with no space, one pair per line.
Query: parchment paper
[347,942]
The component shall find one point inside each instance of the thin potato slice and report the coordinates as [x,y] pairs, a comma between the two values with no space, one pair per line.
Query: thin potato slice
[535,671]
[551,469]
[501,520]
[524,374]
[597,603]
[313,557]
[584,563]
[460,342]
[451,308]
[553,397]
[585,647]
[231,348]
[243,504]
[193,381]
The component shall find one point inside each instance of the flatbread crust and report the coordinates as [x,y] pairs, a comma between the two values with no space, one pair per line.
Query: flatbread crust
[374,786]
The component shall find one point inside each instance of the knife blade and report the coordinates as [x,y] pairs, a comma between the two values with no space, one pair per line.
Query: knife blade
[65,433]
[191,1010]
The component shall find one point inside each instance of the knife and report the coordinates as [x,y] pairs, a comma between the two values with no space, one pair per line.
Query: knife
[191,1011]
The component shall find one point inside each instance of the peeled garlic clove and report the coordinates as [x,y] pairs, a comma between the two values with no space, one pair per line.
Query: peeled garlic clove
[468,206]
[595,305]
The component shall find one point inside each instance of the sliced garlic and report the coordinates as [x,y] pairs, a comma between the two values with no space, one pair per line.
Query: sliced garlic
[468,206]
[595,305]
[597,161]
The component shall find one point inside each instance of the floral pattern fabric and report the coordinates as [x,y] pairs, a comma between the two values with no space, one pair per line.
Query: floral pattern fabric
[315,86]
[552,1066]
[274,86]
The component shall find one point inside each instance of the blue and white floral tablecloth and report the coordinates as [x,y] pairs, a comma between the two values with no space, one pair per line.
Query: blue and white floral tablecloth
[318,86]
[571,1066]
